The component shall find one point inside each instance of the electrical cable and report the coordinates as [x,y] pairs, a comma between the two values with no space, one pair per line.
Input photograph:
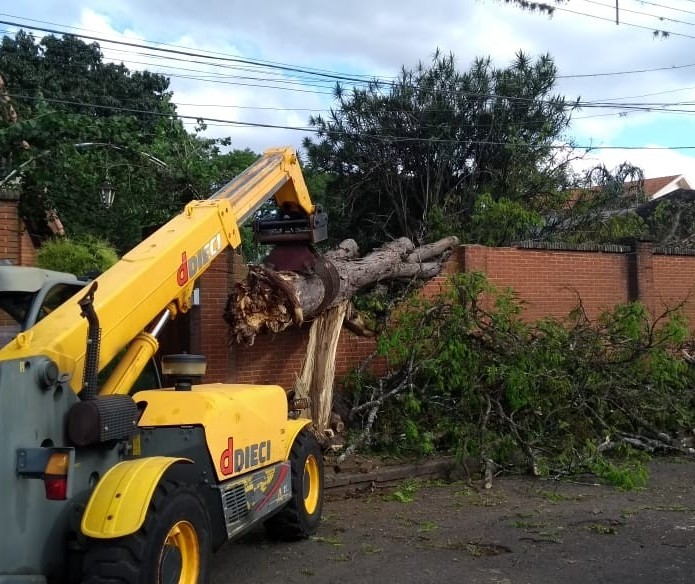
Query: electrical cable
[622,9]
[161,44]
[365,135]
[193,54]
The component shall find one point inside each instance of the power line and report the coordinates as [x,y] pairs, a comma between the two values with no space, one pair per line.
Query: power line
[649,94]
[612,103]
[666,7]
[640,13]
[637,107]
[365,135]
[645,107]
[307,71]
[291,81]
[222,81]
[256,65]
[393,83]
[314,110]
[191,53]
[622,22]
[307,79]
[149,112]
[226,80]
[161,44]
[629,72]
[165,67]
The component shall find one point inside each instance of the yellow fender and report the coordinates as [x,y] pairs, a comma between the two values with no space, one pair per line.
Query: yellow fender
[294,427]
[118,505]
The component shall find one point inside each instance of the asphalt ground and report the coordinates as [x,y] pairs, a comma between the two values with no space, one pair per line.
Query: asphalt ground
[521,531]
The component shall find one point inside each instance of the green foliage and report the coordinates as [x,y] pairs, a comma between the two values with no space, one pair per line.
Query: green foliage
[502,222]
[405,493]
[672,221]
[601,208]
[479,381]
[626,476]
[81,121]
[410,159]
[79,257]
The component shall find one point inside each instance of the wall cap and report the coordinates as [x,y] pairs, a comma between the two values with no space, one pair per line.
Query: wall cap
[9,195]
[560,246]
[673,250]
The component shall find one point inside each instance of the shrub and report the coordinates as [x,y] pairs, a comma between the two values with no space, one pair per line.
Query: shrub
[470,376]
[79,257]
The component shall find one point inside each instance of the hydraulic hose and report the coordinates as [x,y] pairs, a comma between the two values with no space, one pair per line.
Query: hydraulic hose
[91,362]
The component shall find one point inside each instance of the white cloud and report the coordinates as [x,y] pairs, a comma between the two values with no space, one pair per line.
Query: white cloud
[655,162]
[101,23]
[368,37]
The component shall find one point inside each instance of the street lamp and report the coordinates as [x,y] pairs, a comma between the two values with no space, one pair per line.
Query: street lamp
[106,190]
[106,193]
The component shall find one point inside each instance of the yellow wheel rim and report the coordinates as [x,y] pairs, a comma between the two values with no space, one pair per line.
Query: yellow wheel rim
[311,484]
[179,562]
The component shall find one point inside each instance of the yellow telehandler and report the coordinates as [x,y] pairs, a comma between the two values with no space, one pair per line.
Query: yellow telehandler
[102,484]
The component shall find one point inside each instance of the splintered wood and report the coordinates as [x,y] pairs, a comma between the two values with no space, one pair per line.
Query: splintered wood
[318,370]
[262,302]
[273,301]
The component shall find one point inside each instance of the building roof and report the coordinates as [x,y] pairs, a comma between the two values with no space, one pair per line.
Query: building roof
[661,185]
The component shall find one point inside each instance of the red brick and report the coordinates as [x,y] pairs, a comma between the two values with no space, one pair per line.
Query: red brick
[548,283]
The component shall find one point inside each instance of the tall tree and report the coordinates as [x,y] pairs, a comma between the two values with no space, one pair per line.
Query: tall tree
[411,158]
[81,121]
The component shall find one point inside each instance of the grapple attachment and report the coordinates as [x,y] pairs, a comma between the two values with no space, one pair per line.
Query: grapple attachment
[293,228]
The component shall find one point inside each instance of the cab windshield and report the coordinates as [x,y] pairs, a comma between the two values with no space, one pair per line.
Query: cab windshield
[18,313]
[14,307]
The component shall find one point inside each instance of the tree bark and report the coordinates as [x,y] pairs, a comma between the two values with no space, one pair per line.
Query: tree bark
[270,300]
[318,370]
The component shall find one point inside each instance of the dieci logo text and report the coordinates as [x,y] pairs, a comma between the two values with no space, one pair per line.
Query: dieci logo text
[189,266]
[240,459]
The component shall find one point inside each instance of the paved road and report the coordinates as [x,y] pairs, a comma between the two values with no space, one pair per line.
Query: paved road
[522,531]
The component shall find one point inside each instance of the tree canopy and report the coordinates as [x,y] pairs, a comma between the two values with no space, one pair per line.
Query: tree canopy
[412,158]
[80,121]
[479,153]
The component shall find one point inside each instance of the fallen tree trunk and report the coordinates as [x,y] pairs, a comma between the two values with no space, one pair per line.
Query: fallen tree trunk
[270,300]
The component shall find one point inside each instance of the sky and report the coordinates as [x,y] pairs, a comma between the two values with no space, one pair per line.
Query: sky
[639,86]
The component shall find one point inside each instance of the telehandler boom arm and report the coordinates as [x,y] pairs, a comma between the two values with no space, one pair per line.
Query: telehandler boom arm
[157,277]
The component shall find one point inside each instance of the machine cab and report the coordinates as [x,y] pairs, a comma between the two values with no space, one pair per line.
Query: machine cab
[29,294]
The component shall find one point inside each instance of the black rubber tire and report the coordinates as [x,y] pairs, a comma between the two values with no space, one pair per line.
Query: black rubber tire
[136,559]
[295,521]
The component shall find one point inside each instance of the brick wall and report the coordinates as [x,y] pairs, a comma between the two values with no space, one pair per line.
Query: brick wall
[15,243]
[277,359]
[208,329]
[547,282]
[550,283]
[673,281]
